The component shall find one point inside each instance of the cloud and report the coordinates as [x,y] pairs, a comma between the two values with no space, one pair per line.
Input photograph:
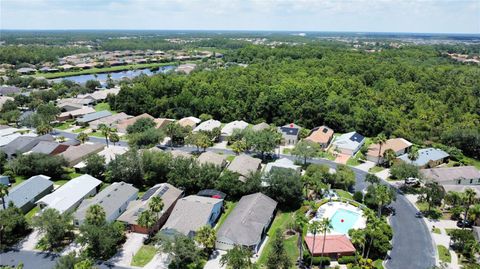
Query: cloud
[460,16]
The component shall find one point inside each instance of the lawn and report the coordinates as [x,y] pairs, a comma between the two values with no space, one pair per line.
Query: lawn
[422,206]
[96,134]
[376,169]
[60,182]
[18,180]
[143,256]
[79,130]
[104,106]
[229,207]
[230,158]
[449,230]
[64,125]
[327,155]
[31,213]
[444,254]
[355,160]
[344,194]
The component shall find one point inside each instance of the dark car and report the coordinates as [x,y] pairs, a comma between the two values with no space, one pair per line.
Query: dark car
[419,214]
[464,224]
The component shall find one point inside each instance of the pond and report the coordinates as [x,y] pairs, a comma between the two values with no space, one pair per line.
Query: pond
[117,75]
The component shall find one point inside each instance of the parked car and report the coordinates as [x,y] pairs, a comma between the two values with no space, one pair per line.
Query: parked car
[419,214]
[464,223]
[411,181]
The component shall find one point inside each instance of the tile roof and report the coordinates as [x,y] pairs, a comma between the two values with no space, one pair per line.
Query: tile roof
[321,135]
[395,144]
[333,244]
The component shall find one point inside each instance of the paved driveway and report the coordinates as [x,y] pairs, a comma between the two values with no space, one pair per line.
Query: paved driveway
[214,262]
[130,247]
[30,241]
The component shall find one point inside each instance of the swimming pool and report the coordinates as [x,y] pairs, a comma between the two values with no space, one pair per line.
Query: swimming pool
[343,220]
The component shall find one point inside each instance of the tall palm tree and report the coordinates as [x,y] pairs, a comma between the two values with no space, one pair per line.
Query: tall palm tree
[3,194]
[380,140]
[82,137]
[95,215]
[468,200]
[358,239]
[413,154]
[383,196]
[114,138]
[237,258]
[389,157]
[106,131]
[156,205]
[314,228]
[206,237]
[147,219]
[301,221]
[325,227]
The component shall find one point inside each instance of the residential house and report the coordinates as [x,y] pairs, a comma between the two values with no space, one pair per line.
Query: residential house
[336,246]
[5,140]
[290,134]
[122,125]
[73,114]
[27,193]
[244,166]
[169,195]
[109,153]
[23,144]
[185,68]
[282,163]
[461,175]
[100,95]
[208,126]
[48,147]
[428,157]
[192,213]
[113,199]
[162,122]
[9,90]
[85,119]
[26,71]
[109,121]
[5,180]
[349,143]
[212,194]
[78,101]
[321,135]
[189,121]
[213,158]
[65,106]
[76,154]
[71,194]
[260,127]
[179,153]
[400,146]
[230,127]
[248,223]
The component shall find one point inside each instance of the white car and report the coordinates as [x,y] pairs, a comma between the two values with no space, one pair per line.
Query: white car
[412,181]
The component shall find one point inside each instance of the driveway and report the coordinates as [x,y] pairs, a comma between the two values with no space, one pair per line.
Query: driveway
[130,247]
[214,261]
[365,166]
[30,242]
[159,261]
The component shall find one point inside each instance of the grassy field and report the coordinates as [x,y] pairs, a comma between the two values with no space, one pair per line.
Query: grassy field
[104,106]
[376,169]
[31,213]
[18,180]
[444,254]
[230,158]
[143,256]
[229,207]
[65,125]
[79,130]
[101,70]
[354,161]
[344,194]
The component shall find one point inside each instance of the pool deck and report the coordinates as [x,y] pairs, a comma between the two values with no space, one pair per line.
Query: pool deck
[328,210]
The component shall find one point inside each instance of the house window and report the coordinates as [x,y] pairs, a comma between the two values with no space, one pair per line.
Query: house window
[471,181]
[459,181]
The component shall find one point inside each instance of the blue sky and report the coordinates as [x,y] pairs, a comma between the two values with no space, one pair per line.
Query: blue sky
[432,16]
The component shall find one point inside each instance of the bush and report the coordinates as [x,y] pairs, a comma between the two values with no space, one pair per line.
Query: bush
[358,196]
[346,259]
[39,164]
[321,261]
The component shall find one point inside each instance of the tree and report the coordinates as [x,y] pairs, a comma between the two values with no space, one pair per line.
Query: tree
[314,227]
[92,85]
[325,227]
[413,154]
[237,258]
[301,222]
[95,165]
[239,146]
[106,131]
[38,164]
[44,129]
[264,141]
[82,137]
[468,198]
[285,185]
[453,198]
[56,226]
[306,149]
[156,205]
[389,157]
[206,237]
[432,193]
[13,226]
[3,194]
[372,179]
[358,238]
[344,177]
[95,215]
[278,257]
[141,125]
[148,220]
[403,170]
[200,140]
[182,249]
[126,167]
[380,140]
[114,138]
[177,133]
[383,195]
[146,139]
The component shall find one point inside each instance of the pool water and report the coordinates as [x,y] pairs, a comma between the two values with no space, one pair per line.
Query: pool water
[343,220]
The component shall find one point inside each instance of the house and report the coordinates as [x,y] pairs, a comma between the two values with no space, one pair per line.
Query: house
[73,114]
[282,163]
[109,121]
[122,125]
[179,153]
[23,144]
[77,101]
[212,193]
[26,71]
[189,121]
[192,213]
[213,158]
[113,199]
[169,195]
[5,140]
[76,154]
[7,130]
[321,135]
[66,106]
[85,119]
[9,90]
[429,157]
[100,95]
[244,165]
[185,68]
[398,145]
[290,133]
[25,194]
[260,127]
[462,188]
[230,127]
[48,147]
[162,122]
[207,126]
[461,175]
[5,180]
[109,153]
[349,143]
[248,223]
[71,194]
[4,99]
[336,246]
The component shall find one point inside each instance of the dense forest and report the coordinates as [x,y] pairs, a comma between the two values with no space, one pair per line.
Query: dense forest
[411,92]
[34,54]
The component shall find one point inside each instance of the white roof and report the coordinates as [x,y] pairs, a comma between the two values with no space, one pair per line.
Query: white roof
[207,125]
[194,119]
[282,163]
[71,193]
[4,140]
[7,131]
[110,153]
[346,141]
[229,127]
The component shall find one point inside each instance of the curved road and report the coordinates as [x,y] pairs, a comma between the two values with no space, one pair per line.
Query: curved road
[412,244]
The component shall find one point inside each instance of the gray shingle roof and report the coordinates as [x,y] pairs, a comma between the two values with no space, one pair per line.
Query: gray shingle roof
[26,191]
[45,147]
[209,157]
[244,165]
[443,174]
[425,156]
[94,116]
[23,144]
[76,154]
[245,224]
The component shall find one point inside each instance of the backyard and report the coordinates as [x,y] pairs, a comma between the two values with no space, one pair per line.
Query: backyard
[143,256]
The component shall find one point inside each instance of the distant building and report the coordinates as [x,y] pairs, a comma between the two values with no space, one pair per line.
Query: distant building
[398,145]
[73,114]
[321,135]
[260,127]
[349,143]
[85,119]
[244,166]
[282,163]
[76,154]
[429,157]
[208,125]
[229,128]
[335,247]
[461,175]
[209,157]
[122,125]
[290,133]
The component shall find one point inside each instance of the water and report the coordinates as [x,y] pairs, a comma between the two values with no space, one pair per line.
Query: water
[118,75]
[343,220]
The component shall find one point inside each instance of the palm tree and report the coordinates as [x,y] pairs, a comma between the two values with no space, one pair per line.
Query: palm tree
[314,228]
[95,215]
[82,137]
[383,196]
[380,140]
[413,154]
[301,221]
[61,139]
[44,128]
[237,258]
[106,131]
[206,236]
[156,205]
[147,220]
[358,239]
[389,156]
[475,212]
[468,200]
[114,138]
[3,194]
[325,227]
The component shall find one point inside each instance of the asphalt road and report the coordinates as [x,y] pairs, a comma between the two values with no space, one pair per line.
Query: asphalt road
[412,244]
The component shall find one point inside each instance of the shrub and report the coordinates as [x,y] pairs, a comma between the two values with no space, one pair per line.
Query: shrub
[321,261]
[358,196]
[346,259]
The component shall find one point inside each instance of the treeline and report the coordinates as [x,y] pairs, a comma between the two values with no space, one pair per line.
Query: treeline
[411,92]
[34,54]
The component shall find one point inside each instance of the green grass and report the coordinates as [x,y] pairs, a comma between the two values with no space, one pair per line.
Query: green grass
[229,207]
[344,194]
[60,182]
[422,206]
[376,169]
[354,161]
[327,155]
[230,158]
[96,134]
[18,180]
[29,216]
[444,254]
[143,256]
[65,125]
[287,151]
[79,130]
[449,230]
[101,70]
[104,106]
[378,264]
[437,231]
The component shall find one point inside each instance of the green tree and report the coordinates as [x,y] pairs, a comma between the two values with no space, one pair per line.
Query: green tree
[389,157]
[156,205]
[206,237]
[95,165]
[114,138]
[44,129]
[358,238]
[13,226]
[413,154]
[306,149]
[237,258]
[82,137]
[200,140]
[141,125]
[106,131]
[469,197]
[239,146]
[380,139]
[301,222]
[182,249]
[278,257]
[38,164]
[372,179]
[56,226]
[383,195]
[285,185]
[432,193]
[177,133]
[344,177]
[264,141]
[3,194]
[403,170]
[95,215]
[92,85]
[148,220]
